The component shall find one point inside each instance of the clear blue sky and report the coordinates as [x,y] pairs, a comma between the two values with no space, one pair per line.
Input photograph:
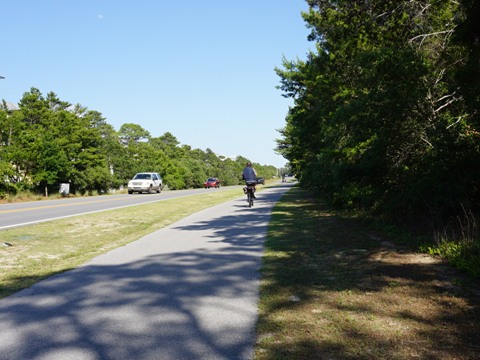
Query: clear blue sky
[201,70]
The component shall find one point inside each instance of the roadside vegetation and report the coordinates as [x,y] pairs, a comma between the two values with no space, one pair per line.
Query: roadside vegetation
[45,141]
[333,287]
[386,116]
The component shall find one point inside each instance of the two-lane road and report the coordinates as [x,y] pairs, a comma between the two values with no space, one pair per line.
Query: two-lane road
[20,214]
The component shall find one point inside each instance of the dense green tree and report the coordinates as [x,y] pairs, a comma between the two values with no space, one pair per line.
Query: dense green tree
[467,38]
[34,107]
[51,164]
[49,141]
[381,118]
[8,132]
[132,134]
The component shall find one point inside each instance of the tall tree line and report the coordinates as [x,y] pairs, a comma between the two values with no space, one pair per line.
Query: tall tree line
[386,108]
[49,141]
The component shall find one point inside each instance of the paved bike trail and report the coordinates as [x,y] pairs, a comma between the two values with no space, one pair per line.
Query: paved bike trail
[188,291]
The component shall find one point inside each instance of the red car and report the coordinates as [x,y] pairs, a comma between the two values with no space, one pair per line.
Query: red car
[211,182]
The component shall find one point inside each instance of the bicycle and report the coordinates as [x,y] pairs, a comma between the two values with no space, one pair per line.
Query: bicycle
[250,191]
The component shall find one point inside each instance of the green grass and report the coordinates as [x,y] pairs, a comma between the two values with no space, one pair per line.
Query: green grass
[52,247]
[460,246]
[334,289]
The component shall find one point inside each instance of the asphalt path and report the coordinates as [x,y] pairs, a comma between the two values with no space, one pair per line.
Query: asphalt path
[27,213]
[187,291]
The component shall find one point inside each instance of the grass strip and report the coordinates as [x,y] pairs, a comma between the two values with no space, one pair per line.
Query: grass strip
[333,289]
[48,248]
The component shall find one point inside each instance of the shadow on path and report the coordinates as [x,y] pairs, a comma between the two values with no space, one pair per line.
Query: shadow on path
[188,291]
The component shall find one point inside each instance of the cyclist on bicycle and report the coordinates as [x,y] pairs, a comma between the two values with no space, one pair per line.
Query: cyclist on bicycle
[250,177]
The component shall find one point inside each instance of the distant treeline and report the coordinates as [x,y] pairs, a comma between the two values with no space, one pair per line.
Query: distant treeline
[386,114]
[47,142]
